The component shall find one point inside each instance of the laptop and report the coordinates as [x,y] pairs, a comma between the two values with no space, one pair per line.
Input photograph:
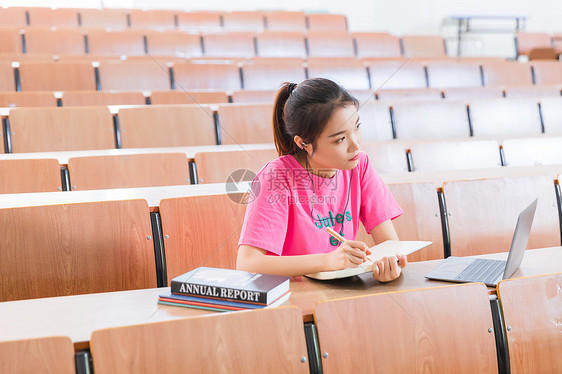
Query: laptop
[489,272]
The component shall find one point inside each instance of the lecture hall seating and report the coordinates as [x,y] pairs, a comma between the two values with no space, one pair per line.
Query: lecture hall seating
[423,46]
[49,355]
[386,157]
[551,109]
[397,74]
[330,44]
[134,75]
[217,76]
[199,21]
[527,41]
[531,315]
[86,98]
[547,72]
[497,118]
[166,126]
[13,16]
[54,41]
[377,44]
[352,74]
[482,214]
[532,91]
[32,175]
[463,93]
[375,121]
[152,19]
[244,21]
[10,41]
[430,120]
[444,73]
[126,171]
[103,18]
[61,129]
[270,74]
[57,76]
[281,44]
[173,43]
[267,340]
[506,72]
[245,123]
[116,42]
[454,155]
[394,94]
[28,99]
[40,16]
[441,329]
[232,44]
[532,151]
[180,96]
[76,249]
[217,166]
[285,21]
[326,22]
[202,231]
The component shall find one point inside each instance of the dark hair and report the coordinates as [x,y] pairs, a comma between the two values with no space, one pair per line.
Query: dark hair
[304,109]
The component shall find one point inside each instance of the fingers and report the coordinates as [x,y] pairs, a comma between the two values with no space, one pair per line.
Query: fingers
[402,260]
[386,269]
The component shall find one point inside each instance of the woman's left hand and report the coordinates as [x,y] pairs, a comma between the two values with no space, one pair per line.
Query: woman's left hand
[388,268]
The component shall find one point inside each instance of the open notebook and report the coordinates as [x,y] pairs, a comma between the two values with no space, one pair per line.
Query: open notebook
[385,249]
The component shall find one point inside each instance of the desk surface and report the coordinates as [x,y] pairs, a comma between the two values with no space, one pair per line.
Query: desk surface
[153,195]
[78,316]
[190,152]
[439,177]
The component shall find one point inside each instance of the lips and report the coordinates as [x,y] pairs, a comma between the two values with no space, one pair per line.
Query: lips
[354,158]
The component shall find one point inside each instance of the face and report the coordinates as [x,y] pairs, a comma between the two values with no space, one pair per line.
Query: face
[337,146]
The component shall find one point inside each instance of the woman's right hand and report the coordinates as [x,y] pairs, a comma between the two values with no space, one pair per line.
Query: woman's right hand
[350,253]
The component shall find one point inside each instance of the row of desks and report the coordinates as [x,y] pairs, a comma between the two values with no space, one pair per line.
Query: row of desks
[78,316]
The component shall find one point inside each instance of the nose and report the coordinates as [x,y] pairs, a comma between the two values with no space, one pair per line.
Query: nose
[355,142]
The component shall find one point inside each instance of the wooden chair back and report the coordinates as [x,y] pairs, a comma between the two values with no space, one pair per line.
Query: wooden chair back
[30,175]
[531,313]
[257,341]
[49,355]
[134,75]
[210,76]
[482,214]
[201,231]
[377,44]
[72,249]
[423,46]
[126,171]
[90,98]
[245,123]
[61,129]
[469,154]
[551,109]
[442,329]
[57,76]
[166,126]
[443,73]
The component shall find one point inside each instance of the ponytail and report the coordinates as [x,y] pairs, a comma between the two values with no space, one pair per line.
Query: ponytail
[283,141]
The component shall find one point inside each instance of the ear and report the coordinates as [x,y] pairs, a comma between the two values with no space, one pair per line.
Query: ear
[302,145]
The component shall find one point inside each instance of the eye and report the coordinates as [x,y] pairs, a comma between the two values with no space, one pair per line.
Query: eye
[340,140]
[357,127]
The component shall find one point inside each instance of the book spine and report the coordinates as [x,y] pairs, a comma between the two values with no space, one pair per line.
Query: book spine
[216,292]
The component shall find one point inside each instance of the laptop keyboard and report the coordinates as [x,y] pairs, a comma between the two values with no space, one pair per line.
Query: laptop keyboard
[482,270]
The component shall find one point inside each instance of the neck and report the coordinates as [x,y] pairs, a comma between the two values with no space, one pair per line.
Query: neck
[314,169]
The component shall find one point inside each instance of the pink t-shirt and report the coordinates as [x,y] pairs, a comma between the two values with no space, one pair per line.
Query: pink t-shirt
[282,219]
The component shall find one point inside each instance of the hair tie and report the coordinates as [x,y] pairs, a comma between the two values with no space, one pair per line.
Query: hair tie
[291,87]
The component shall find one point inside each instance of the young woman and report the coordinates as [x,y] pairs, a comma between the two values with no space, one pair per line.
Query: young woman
[320,180]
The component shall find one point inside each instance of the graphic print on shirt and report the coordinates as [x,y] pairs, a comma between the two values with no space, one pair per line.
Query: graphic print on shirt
[330,221]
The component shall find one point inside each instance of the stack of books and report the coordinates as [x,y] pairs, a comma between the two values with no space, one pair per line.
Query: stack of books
[226,290]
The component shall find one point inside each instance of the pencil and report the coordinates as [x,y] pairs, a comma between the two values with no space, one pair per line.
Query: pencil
[335,234]
[340,238]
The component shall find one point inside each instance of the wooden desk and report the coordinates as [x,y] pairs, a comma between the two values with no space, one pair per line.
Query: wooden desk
[77,316]
[152,195]
[439,177]
[190,151]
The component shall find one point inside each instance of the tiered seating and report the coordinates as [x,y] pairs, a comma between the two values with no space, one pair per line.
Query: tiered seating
[61,129]
[502,118]
[185,225]
[34,175]
[271,74]
[455,319]
[455,155]
[349,73]
[269,340]
[245,123]
[140,170]
[57,76]
[380,44]
[166,126]
[76,249]
[481,214]
[40,355]
[133,75]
